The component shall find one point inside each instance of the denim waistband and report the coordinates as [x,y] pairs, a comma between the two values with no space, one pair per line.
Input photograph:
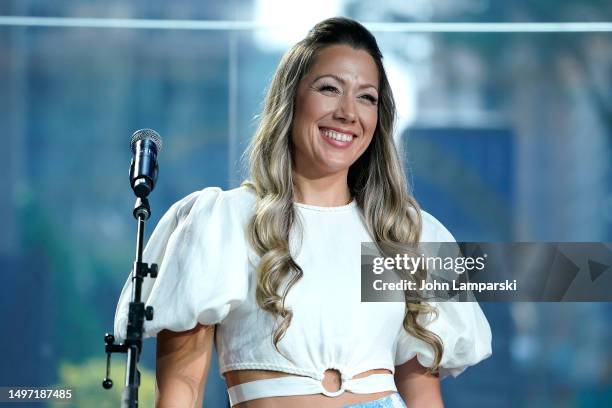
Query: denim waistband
[390,401]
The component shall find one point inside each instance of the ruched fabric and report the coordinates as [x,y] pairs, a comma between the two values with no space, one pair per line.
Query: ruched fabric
[465,335]
[462,326]
[201,253]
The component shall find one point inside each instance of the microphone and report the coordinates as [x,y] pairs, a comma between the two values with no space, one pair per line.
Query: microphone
[145,145]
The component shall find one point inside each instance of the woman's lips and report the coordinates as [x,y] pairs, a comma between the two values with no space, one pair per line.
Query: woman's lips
[336,138]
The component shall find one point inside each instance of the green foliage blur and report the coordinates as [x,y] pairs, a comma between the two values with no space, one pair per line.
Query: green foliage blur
[85,381]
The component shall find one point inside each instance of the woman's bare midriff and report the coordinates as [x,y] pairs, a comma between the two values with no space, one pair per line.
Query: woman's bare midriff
[331,382]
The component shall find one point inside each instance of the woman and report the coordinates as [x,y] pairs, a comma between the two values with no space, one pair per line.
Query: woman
[273,267]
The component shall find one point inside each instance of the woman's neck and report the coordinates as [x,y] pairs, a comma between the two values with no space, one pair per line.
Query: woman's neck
[327,191]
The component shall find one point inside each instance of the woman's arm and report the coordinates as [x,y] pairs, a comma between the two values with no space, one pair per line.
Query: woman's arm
[417,388]
[182,364]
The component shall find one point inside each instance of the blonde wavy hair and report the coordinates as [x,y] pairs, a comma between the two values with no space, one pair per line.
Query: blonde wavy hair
[376,180]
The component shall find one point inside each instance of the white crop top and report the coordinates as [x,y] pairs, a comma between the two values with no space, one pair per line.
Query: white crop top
[206,275]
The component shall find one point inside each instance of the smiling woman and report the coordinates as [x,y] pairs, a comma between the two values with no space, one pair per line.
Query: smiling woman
[271,270]
[336,113]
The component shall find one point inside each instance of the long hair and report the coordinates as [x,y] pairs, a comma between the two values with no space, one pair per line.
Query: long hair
[376,180]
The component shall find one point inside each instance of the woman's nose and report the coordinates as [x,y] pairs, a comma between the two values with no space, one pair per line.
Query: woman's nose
[345,110]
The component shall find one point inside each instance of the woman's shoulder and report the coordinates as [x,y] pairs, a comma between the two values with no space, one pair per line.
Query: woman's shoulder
[433,230]
[214,200]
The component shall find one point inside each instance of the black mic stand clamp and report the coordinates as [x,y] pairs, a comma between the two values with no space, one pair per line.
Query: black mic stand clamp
[137,314]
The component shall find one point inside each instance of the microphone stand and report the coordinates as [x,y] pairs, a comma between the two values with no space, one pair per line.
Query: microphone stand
[136,317]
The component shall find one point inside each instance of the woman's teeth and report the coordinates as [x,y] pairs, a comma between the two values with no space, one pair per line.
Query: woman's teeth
[341,137]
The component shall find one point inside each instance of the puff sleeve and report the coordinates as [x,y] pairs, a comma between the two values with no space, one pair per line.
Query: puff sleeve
[201,253]
[462,327]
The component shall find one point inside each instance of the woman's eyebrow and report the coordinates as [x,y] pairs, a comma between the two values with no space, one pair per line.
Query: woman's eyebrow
[342,81]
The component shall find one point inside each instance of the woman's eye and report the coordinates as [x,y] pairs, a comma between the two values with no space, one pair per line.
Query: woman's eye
[329,88]
[370,98]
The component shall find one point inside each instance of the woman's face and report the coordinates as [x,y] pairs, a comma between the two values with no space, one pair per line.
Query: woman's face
[336,111]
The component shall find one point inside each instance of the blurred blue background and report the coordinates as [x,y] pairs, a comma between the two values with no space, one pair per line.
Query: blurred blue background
[507,137]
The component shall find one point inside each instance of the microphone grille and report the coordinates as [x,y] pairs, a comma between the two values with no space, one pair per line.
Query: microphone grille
[150,134]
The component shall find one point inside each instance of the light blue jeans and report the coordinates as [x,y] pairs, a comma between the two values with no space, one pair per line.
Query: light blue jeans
[390,401]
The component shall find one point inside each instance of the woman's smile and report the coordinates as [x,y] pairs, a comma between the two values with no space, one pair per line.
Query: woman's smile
[336,137]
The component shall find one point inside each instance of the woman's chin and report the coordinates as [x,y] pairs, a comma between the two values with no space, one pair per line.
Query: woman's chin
[336,168]
[323,165]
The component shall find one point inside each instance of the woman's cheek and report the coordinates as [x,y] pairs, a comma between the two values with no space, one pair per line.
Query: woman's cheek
[325,105]
[371,123]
